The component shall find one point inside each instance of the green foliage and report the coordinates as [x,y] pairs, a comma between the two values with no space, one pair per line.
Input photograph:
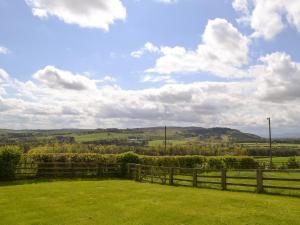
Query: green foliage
[247,163]
[234,162]
[9,158]
[128,157]
[292,163]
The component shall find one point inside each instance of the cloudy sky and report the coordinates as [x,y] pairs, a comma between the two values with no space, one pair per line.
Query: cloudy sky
[136,63]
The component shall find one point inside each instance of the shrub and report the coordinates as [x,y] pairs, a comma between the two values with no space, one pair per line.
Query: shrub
[230,162]
[9,158]
[292,163]
[128,157]
[247,163]
[215,163]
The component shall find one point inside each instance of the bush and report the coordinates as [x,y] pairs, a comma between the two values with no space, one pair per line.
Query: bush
[128,157]
[292,163]
[247,163]
[230,162]
[9,158]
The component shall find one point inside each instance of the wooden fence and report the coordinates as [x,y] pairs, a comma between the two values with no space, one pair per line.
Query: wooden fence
[27,170]
[258,180]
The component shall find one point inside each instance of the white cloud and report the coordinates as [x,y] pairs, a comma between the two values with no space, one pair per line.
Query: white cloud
[148,47]
[3,76]
[4,50]
[88,13]
[222,52]
[158,78]
[61,79]
[278,78]
[241,5]
[167,1]
[109,79]
[272,90]
[269,17]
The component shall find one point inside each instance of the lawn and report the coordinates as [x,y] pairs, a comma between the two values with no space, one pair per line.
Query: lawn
[127,202]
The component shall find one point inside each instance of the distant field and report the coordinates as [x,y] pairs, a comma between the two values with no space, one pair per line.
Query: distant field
[173,142]
[99,136]
[277,159]
[274,145]
[113,202]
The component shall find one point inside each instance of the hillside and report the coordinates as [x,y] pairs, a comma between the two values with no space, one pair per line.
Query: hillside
[121,136]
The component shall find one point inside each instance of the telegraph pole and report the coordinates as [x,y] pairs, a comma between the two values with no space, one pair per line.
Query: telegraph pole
[165,138]
[270,142]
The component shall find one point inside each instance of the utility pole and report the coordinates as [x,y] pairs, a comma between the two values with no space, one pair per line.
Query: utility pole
[165,138]
[270,142]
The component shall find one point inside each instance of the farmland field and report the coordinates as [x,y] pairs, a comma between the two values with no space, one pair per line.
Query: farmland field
[277,159]
[127,202]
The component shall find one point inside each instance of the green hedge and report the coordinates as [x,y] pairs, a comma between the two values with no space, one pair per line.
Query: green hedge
[218,162]
[9,158]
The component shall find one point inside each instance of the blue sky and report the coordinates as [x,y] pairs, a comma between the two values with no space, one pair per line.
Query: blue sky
[219,62]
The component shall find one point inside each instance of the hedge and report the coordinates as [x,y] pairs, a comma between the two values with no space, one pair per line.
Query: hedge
[9,158]
[218,162]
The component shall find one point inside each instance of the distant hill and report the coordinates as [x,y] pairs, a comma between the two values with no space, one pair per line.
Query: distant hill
[147,133]
[216,133]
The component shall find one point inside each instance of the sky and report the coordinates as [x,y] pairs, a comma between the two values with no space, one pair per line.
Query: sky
[139,63]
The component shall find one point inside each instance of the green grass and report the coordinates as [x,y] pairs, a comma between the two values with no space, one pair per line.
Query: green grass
[112,202]
[172,142]
[99,136]
[277,159]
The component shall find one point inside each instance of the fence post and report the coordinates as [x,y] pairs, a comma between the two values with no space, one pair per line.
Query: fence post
[138,171]
[72,170]
[223,179]
[195,177]
[171,176]
[128,170]
[98,169]
[259,181]
[152,173]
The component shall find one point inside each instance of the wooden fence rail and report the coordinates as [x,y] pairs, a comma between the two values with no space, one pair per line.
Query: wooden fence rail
[257,179]
[67,169]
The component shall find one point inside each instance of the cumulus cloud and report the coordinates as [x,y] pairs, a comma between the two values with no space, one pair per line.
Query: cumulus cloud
[89,13]
[222,52]
[278,79]
[49,101]
[269,17]
[61,79]
[148,47]
[241,5]
[3,50]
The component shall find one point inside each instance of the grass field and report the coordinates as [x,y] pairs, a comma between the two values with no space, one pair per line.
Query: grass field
[277,159]
[110,202]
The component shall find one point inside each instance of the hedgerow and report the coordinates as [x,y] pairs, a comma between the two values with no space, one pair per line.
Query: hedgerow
[9,158]
[217,162]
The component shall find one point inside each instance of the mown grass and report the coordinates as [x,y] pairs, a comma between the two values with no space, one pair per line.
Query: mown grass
[127,202]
